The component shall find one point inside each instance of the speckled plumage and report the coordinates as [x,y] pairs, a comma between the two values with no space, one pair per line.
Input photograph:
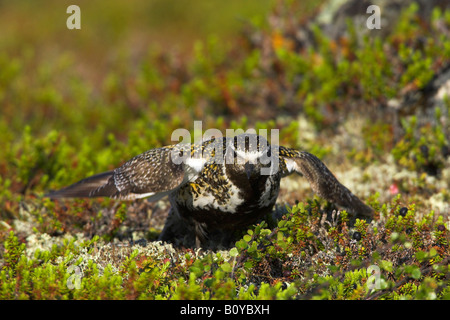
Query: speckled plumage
[221,184]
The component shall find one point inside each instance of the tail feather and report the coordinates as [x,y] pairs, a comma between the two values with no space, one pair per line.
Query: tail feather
[99,185]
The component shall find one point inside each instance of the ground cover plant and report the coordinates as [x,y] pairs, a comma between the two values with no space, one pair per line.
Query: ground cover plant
[371,105]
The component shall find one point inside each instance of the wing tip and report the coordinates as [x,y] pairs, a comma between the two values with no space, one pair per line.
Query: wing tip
[100,185]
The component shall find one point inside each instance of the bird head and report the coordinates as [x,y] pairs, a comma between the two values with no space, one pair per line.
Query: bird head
[249,153]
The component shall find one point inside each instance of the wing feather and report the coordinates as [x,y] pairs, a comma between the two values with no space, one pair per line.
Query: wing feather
[322,180]
[151,174]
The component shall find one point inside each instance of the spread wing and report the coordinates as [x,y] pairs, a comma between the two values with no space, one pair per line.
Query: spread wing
[322,181]
[151,174]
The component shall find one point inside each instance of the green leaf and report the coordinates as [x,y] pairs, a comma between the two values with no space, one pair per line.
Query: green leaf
[234,252]
[241,244]
[248,265]
[386,265]
[416,273]
[226,267]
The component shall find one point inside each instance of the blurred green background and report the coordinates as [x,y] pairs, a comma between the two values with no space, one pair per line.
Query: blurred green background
[136,24]
[89,99]
[35,40]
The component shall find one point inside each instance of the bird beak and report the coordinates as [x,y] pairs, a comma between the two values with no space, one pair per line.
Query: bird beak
[249,167]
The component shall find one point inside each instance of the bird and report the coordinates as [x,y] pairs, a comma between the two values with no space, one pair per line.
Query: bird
[222,184]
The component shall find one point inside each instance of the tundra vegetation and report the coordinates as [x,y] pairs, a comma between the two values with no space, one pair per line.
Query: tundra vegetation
[79,102]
